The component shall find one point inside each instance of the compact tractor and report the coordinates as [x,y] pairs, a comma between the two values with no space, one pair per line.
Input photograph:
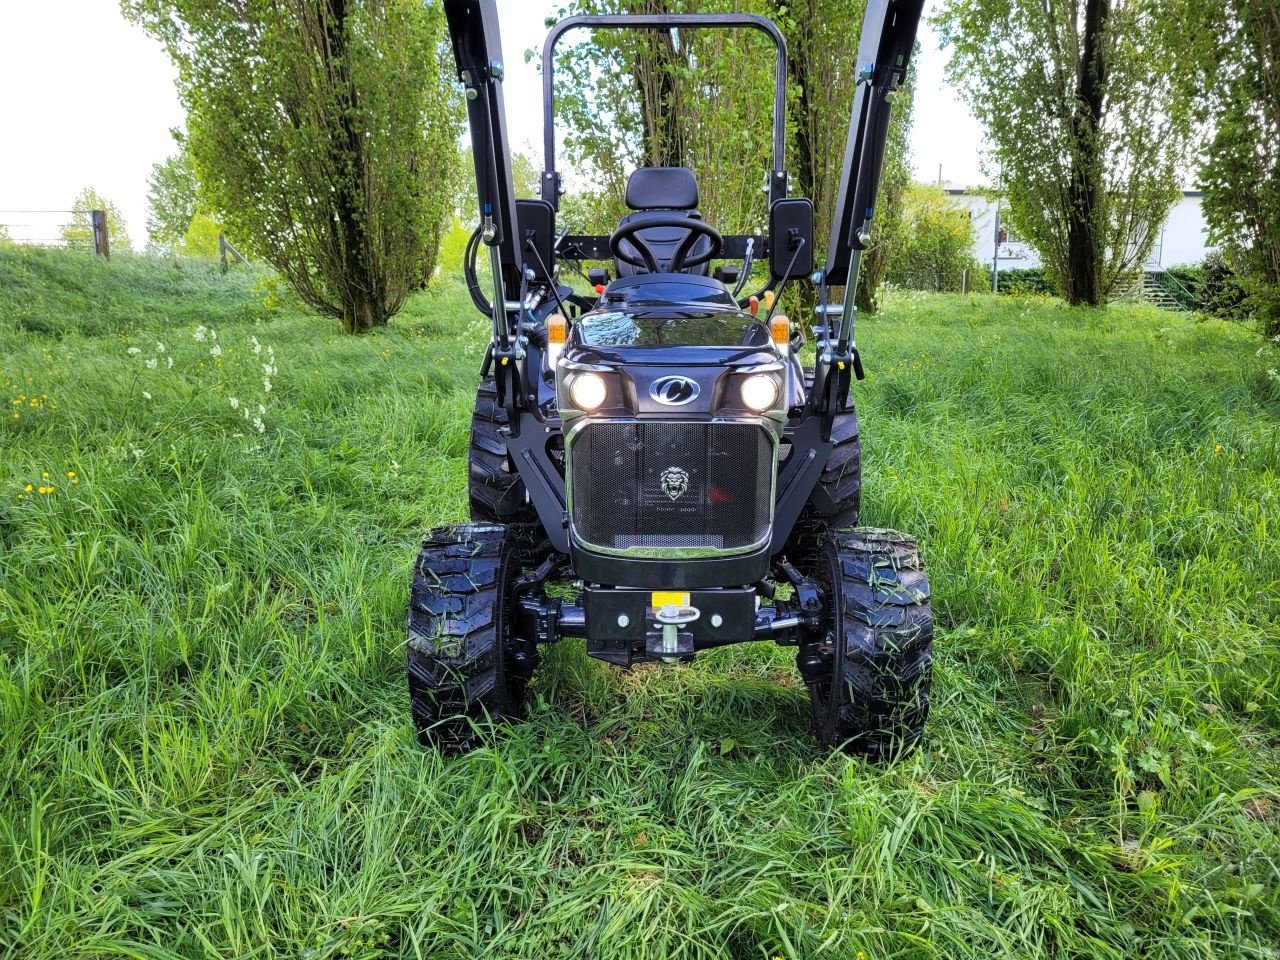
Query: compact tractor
[658,442]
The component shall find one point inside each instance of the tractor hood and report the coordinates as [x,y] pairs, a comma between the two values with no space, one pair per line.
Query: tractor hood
[670,334]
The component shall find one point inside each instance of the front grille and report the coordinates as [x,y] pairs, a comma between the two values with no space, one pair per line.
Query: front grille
[655,488]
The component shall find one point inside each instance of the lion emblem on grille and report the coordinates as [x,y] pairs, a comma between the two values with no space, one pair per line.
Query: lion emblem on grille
[674,482]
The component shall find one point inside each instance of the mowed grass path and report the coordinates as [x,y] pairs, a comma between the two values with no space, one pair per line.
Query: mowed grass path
[204,744]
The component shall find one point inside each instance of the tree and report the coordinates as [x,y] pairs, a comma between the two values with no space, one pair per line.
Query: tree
[80,230]
[1240,172]
[172,193]
[324,135]
[1089,134]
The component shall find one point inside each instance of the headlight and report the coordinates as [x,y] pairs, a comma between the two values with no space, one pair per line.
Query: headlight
[587,391]
[759,392]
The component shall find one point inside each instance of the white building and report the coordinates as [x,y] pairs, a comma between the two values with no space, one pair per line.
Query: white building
[1183,239]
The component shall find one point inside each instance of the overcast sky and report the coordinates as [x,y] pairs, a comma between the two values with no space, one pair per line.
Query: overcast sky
[89,100]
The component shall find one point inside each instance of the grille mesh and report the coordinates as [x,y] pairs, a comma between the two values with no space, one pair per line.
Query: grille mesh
[671,486]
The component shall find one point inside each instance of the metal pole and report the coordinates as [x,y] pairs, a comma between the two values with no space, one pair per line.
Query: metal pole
[101,235]
[995,256]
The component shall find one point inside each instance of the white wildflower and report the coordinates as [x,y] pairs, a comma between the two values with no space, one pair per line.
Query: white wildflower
[235,403]
[152,363]
[266,386]
[259,425]
[145,395]
[257,347]
[133,351]
[262,411]
[1274,374]
[159,347]
[137,452]
[201,334]
[215,351]
[169,362]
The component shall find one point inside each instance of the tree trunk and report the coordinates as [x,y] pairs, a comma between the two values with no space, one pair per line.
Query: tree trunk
[655,75]
[1085,253]
[363,293]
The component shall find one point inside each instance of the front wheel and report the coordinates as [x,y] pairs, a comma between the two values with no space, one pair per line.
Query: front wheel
[869,675]
[465,666]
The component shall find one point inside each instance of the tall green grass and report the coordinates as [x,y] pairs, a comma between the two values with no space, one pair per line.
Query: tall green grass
[204,742]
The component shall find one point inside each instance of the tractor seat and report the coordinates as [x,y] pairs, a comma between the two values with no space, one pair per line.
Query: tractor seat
[660,192]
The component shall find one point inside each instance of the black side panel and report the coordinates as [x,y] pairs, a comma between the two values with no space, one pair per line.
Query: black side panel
[799,476]
[542,478]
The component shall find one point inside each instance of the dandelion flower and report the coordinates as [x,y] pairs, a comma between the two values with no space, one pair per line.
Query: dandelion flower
[28,488]
[71,474]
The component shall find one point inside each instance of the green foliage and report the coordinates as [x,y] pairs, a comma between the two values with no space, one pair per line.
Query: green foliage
[204,741]
[201,237]
[1025,282]
[1211,287]
[79,232]
[933,245]
[1089,133]
[324,136]
[1240,172]
[173,191]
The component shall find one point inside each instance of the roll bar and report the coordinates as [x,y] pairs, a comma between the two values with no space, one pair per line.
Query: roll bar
[551,181]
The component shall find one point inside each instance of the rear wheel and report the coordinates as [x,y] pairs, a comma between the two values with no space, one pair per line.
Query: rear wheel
[869,676]
[464,667]
[836,501]
[496,491]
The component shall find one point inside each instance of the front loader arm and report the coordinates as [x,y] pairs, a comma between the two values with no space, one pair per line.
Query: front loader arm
[477,51]
[888,37]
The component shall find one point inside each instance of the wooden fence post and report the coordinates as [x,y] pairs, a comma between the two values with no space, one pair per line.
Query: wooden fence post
[101,235]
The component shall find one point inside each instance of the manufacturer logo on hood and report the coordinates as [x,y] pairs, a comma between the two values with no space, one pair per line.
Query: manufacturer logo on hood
[674,391]
[674,482]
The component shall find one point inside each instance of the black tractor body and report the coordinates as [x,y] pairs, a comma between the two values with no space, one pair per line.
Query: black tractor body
[659,442]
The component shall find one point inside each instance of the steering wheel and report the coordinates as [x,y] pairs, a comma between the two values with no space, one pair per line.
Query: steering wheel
[697,229]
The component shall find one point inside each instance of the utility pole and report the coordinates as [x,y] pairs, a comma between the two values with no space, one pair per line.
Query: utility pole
[995,255]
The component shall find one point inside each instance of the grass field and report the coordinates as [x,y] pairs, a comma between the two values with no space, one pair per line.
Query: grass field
[204,745]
